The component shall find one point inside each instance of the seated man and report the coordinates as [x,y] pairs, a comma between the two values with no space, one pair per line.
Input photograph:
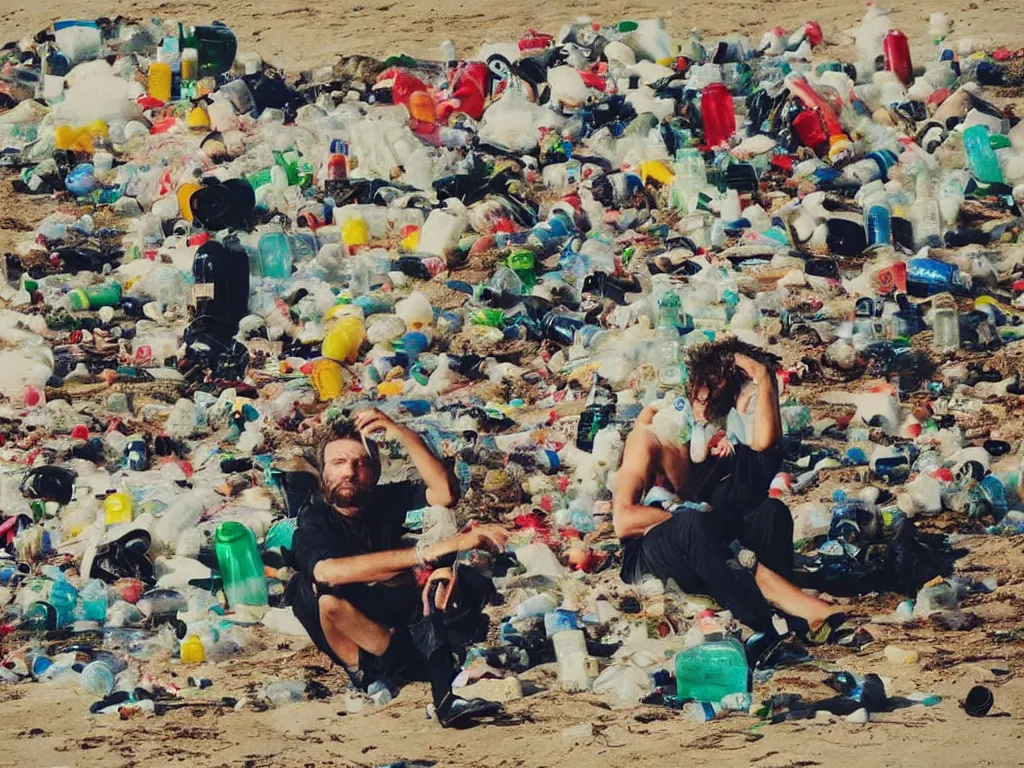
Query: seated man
[355,592]
[699,550]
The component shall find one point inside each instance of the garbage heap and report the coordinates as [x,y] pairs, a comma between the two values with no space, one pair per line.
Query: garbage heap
[513,251]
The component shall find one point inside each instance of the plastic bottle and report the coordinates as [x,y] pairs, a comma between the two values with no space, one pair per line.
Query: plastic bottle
[337,163]
[718,115]
[878,220]
[93,601]
[980,155]
[945,325]
[240,566]
[117,508]
[274,255]
[712,670]
[63,597]
[94,297]
[192,651]
[897,56]
[598,413]
[925,216]
[667,345]
[159,82]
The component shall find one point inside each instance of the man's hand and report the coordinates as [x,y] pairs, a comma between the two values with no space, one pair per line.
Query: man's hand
[750,366]
[445,577]
[722,448]
[371,420]
[482,537]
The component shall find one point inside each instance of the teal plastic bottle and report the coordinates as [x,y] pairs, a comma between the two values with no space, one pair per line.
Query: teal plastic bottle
[240,565]
[712,670]
[980,155]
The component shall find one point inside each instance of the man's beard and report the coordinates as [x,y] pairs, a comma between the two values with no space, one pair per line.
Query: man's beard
[340,496]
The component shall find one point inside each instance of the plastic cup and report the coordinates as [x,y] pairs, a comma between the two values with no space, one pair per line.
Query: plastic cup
[97,679]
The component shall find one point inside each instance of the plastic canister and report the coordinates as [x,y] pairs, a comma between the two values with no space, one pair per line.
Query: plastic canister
[117,508]
[192,651]
[711,671]
[240,566]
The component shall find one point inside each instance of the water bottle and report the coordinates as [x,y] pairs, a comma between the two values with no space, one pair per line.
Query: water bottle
[945,325]
[980,155]
[926,216]
[879,223]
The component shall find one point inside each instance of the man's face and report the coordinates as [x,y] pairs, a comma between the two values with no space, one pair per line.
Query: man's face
[348,474]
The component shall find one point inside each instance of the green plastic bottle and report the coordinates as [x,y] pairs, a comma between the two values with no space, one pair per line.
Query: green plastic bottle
[240,565]
[94,297]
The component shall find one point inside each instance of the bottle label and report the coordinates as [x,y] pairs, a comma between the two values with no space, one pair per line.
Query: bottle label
[202,291]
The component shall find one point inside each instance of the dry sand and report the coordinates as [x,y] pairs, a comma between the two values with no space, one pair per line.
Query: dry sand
[47,726]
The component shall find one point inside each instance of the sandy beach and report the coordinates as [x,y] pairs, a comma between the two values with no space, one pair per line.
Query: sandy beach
[50,726]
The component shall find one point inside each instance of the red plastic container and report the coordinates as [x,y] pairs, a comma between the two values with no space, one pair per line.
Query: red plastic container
[897,56]
[718,114]
[809,129]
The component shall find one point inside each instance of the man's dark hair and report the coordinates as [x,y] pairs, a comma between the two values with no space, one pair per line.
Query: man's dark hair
[342,429]
[714,366]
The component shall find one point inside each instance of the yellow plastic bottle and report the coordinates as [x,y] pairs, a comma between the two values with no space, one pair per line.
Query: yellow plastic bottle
[160,80]
[192,651]
[117,508]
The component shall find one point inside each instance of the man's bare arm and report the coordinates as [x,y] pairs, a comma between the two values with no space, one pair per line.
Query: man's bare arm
[767,415]
[639,460]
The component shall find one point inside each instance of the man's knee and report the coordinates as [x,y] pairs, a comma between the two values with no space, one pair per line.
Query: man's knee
[336,609]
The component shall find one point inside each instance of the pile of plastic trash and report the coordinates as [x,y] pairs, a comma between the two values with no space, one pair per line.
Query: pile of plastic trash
[512,250]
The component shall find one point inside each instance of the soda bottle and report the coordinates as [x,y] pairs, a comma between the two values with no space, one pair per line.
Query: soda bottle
[897,56]
[337,163]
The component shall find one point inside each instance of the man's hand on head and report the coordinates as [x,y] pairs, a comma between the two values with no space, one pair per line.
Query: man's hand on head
[371,421]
